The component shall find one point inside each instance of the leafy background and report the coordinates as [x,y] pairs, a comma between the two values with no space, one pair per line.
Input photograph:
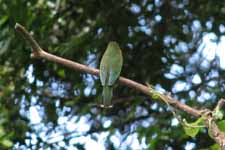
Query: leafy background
[164,44]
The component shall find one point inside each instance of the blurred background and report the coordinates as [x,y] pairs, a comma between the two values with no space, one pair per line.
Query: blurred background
[175,45]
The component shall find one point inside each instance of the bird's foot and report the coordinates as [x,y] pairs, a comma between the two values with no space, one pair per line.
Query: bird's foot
[105,106]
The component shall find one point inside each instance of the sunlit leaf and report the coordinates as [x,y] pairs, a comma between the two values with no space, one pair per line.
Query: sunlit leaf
[7,143]
[61,73]
[3,19]
[2,132]
[191,131]
[193,128]
[153,144]
[221,125]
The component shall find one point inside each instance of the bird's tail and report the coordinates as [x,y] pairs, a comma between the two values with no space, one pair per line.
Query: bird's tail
[107,96]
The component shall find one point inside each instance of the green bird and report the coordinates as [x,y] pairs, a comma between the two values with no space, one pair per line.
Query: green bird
[110,68]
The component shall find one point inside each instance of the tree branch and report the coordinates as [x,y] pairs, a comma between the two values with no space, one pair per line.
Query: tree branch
[37,51]
[216,133]
[35,46]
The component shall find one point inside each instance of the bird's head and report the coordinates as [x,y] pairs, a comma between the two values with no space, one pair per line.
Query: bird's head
[113,44]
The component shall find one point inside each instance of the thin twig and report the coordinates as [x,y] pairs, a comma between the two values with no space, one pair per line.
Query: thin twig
[35,46]
[220,103]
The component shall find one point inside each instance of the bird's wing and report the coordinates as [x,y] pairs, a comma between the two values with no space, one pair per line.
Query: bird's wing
[103,73]
[115,69]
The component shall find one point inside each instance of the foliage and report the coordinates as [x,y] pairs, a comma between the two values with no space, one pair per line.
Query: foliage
[193,128]
[162,42]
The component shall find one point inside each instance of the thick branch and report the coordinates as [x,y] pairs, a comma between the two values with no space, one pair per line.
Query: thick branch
[217,135]
[214,131]
[38,52]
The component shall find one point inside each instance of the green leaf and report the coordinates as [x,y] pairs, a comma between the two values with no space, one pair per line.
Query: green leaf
[192,129]
[3,19]
[218,114]
[212,147]
[155,96]
[215,147]
[153,143]
[2,131]
[61,73]
[221,125]
[7,143]
[70,103]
